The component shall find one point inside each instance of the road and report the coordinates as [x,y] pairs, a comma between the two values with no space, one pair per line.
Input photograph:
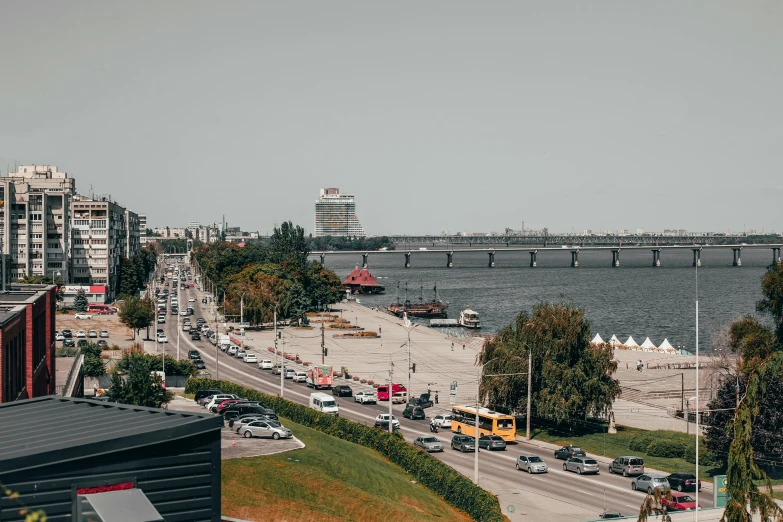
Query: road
[557,495]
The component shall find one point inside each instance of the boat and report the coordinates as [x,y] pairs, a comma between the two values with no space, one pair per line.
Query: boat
[360,281]
[469,319]
[435,308]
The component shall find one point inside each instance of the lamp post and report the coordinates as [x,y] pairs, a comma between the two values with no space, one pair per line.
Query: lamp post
[242,310]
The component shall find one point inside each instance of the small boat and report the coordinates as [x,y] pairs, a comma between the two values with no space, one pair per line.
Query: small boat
[469,319]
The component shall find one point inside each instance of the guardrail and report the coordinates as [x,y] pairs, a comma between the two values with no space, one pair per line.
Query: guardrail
[73,373]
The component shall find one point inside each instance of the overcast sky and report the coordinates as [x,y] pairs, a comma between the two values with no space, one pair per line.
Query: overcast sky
[438,115]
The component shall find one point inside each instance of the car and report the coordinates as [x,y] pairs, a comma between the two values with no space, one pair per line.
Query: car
[159,331]
[69,343]
[385,417]
[203,394]
[67,334]
[82,342]
[266,428]
[183,312]
[277,369]
[423,400]
[80,334]
[365,397]
[185,327]
[627,466]
[240,353]
[92,334]
[492,442]
[161,319]
[300,377]
[266,364]
[610,514]
[224,405]
[649,483]
[679,502]
[162,338]
[400,398]
[566,452]
[428,444]
[442,420]
[683,482]
[194,354]
[104,334]
[289,373]
[216,399]
[195,336]
[199,363]
[463,443]
[384,425]
[232,350]
[59,337]
[581,465]
[200,320]
[236,423]
[250,358]
[82,315]
[245,409]
[102,344]
[531,463]
[192,300]
[342,390]
[413,412]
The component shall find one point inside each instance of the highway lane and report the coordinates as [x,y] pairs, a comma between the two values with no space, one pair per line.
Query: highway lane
[558,495]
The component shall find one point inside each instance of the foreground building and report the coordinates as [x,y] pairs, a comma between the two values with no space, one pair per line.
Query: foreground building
[335,215]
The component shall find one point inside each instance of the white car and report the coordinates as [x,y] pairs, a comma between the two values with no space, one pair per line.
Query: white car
[185,312]
[162,338]
[232,350]
[442,421]
[193,300]
[59,337]
[217,399]
[300,377]
[266,365]
[240,353]
[385,417]
[80,334]
[365,397]
[250,358]
[82,315]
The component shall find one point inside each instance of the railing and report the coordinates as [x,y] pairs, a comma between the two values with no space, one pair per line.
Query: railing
[70,381]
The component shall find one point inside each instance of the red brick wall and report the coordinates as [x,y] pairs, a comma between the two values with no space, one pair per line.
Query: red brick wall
[7,333]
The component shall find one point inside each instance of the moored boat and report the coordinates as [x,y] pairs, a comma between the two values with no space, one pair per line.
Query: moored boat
[469,319]
[434,308]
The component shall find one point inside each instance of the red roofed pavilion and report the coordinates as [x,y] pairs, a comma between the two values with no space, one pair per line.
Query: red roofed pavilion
[360,281]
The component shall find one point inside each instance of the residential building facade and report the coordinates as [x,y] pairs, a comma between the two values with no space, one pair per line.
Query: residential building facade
[335,215]
[142,230]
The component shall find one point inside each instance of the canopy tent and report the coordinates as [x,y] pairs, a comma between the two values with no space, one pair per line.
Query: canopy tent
[614,341]
[597,339]
[666,347]
[648,345]
[631,344]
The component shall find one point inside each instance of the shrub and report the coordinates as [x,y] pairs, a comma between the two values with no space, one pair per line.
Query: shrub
[640,443]
[440,478]
[705,456]
[666,448]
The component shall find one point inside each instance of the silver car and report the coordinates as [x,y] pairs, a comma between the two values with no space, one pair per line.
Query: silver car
[266,428]
[581,465]
[649,483]
[238,423]
[531,463]
[428,444]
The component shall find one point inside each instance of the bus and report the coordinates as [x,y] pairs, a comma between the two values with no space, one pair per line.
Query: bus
[490,422]
[95,308]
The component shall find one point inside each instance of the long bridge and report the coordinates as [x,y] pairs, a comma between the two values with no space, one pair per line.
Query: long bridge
[582,240]
[614,250]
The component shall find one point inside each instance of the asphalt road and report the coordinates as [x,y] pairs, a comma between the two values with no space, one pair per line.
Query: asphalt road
[557,495]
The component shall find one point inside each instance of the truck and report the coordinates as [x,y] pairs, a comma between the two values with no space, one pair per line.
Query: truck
[320,377]
[383,391]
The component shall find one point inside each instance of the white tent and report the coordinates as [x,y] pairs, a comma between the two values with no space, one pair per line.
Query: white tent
[648,345]
[614,341]
[597,340]
[666,347]
[631,344]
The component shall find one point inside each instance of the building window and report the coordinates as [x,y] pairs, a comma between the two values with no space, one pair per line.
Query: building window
[14,367]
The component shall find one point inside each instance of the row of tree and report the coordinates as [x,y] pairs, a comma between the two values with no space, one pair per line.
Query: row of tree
[134,272]
[350,243]
[265,277]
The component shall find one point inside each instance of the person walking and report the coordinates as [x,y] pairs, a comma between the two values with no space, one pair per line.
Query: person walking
[436,397]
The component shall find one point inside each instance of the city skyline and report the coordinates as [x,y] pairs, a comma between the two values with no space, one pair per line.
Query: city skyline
[556,113]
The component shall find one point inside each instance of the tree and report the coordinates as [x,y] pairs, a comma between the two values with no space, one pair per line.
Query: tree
[288,246]
[80,302]
[298,303]
[571,377]
[127,278]
[137,313]
[772,303]
[323,287]
[93,366]
[138,386]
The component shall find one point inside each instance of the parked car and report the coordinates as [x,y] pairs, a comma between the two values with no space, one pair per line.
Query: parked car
[232,350]
[627,466]
[342,390]
[82,342]
[610,514]
[92,334]
[531,463]
[80,334]
[237,422]
[161,319]
[365,397]
[442,420]
[463,443]
[244,409]
[649,483]
[104,334]
[423,400]
[82,315]
[679,502]
[289,373]
[413,412]
[400,398]
[492,442]
[683,482]
[384,425]
[566,452]
[224,405]
[267,428]
[59,337]
[250,358]
[69,343]
[195,336]
[266,364]
[194,354]
[67,334]
[277,369]
[428,444]
[300,377]
[102,344]
[240,353]
[385,417]
[581,465]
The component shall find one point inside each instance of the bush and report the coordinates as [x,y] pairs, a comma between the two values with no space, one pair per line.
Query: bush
[706,457]
[640,443]
[440,478]
[666,448]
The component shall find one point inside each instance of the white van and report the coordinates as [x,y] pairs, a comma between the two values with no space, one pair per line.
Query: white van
[324,403]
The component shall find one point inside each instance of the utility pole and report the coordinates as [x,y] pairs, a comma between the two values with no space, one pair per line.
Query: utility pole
[178,326]
[282,368]
[391,384]
[275,327]
[323,344]
[242,310]
[409,365]
[529,387]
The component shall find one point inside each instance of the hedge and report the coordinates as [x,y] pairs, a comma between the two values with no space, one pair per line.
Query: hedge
[453,487]
[640,443]
[666,448]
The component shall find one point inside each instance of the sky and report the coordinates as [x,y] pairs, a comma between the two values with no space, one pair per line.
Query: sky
[439,116]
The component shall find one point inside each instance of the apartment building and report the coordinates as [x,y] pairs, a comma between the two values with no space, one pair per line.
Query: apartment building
[142,230]
[133,231]
[35,221]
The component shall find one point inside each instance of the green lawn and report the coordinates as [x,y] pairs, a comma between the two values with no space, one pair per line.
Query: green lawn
[617,445]
[330,479]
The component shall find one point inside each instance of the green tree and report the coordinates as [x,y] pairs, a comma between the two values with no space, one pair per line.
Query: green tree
[298,304]
[288,246]
[772,303]
[322,285]
[137,313]
[136,384]
[571,377]
[80,302]
[93,366]
[127,278]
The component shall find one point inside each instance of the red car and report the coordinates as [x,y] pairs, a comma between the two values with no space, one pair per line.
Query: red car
[679,502]
[224,404]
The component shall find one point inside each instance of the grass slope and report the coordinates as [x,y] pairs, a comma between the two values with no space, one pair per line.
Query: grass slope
[333,480]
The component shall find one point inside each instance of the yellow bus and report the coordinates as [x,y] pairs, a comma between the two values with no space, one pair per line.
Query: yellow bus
[490,422]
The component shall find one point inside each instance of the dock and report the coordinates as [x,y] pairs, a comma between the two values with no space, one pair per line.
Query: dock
[444,323]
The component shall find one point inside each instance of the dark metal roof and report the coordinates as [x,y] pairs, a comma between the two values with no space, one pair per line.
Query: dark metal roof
[41,431]
[9,312]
